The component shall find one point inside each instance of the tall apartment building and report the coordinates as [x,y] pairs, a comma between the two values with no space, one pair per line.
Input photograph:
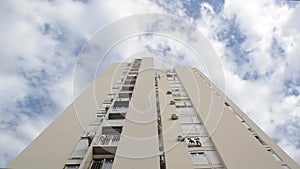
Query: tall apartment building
[134,116]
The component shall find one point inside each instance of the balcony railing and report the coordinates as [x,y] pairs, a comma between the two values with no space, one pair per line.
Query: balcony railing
[109,139]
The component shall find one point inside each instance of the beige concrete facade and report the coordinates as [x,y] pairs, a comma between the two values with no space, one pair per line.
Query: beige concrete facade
[54,145]
[236,144]
[176,153]
[138,146]
[142,119]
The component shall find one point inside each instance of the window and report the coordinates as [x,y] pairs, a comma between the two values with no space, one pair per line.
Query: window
[230,108]
[183,103]
[181,98]
[93,128]
[114,91]
[247,126]
[205,141]
[177,89]
[71,166]
[119,80]
[285,166]
[169,75]
[176,85]
[275,156]
[121,103]
[195,129]
[180,94]
[186,111]
[260,139]
[189,119]
[109,123]
[107,101]
[213,157]
[98,119]
[116,85]
[110,96]
[119,110]
[101,111]
[199,158]
[239,117]
[209,157]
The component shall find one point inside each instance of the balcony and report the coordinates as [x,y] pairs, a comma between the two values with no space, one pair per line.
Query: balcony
[113,127]
[121,103]
[134,70]
[136,65]
[129,87]
[133,73]
[198,142]
[131,77]
[105,163]
[102,111]
[120,109]
[106,146]
[183,103]
[117,115]
[128,82]
[109,140]
[100,152]
[107,101]
[113,123]
[125,94]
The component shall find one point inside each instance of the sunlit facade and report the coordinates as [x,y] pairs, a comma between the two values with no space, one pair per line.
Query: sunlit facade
[136,116]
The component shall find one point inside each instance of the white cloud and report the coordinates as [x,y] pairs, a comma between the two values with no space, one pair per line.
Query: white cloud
[265,99]
[39,42]
[46,36]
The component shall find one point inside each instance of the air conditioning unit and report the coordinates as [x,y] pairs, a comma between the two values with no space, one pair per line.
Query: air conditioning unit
[174,116]
[180,138]
[172,102]
[193,142]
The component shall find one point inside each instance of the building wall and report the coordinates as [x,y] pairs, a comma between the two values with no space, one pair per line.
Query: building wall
[138,146]
[176,152]
[236,144]
[237,140]
[55,144]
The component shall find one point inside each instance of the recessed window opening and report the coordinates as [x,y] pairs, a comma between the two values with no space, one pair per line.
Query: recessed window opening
[260,140]
[274,155]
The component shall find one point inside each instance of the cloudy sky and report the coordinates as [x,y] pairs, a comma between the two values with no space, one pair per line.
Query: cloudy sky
[257,43]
